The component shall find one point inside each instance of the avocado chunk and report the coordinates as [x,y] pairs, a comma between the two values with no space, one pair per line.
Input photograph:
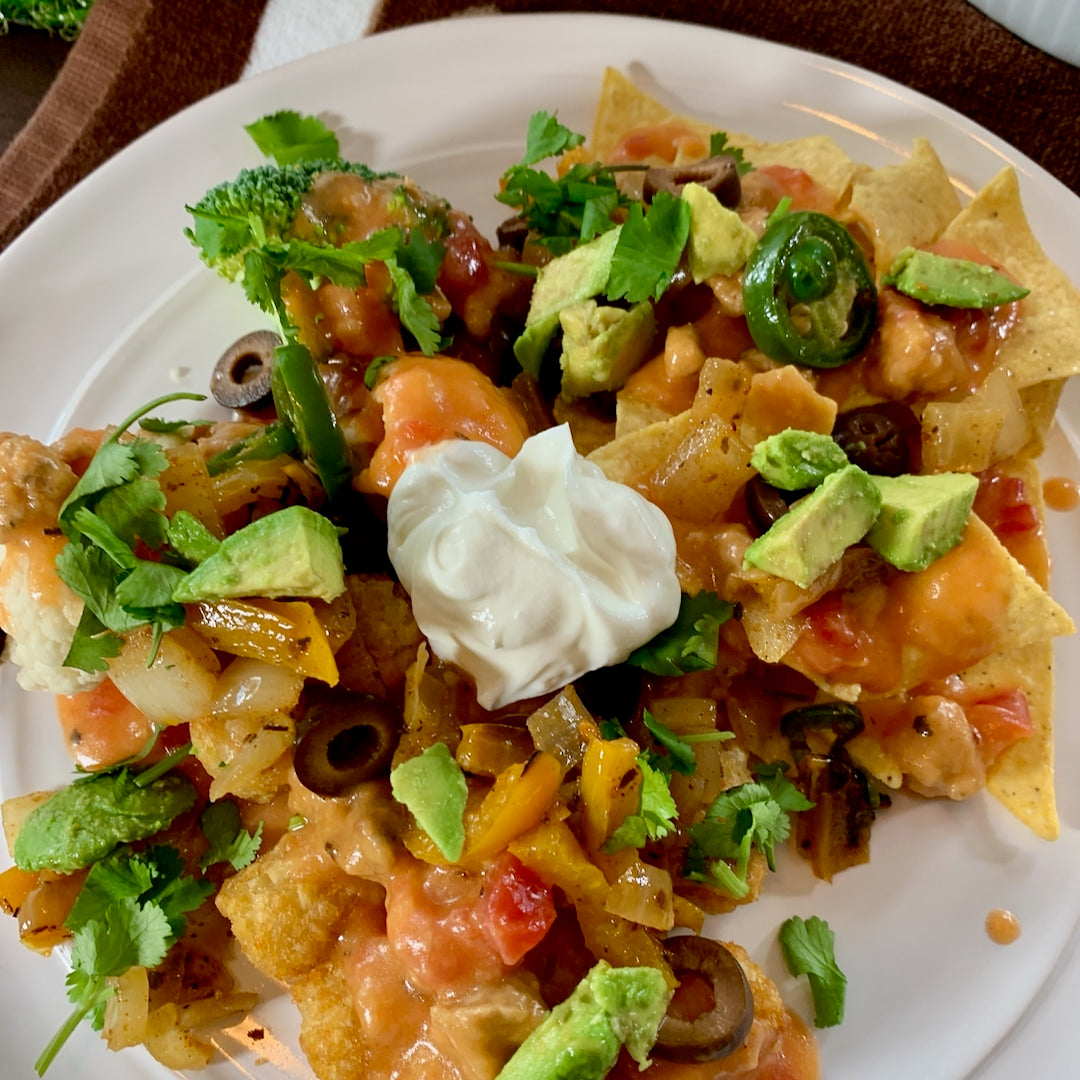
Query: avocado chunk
[720,241]
[602,345]
[578,275]
[793,459]
[291,552]
[83,822]
[922,517]
[190,538]
[433,788]
[817,529]
[580,1038]
[959,283]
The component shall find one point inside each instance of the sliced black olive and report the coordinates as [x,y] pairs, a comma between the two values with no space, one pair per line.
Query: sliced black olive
[712,1010]
[718,174]
[348,738]
[765,504]
[881,439]
[843,719]
[241,378]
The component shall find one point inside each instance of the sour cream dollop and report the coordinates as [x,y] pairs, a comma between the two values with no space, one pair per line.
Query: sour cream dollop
[529,571]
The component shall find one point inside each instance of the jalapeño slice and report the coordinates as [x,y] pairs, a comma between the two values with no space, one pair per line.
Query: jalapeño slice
[302,404]
[808,292]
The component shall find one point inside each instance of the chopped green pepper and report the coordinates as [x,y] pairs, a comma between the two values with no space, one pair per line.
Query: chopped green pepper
[263,444]
[808,292]
[301,402]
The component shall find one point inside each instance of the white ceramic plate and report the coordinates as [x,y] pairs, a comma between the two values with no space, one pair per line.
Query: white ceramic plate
[105,306]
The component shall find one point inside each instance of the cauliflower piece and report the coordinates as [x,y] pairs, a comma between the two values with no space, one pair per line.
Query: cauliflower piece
[38,612]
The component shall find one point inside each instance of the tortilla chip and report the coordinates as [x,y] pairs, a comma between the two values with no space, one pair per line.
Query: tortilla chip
[1042,346]
[904,205]
[623,106]
[1021,778]
[1030,615]
[330,1033]
[819,156]
[1040,405]
[690,466]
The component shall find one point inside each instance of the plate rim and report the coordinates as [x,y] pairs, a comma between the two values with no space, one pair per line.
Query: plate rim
[57,216]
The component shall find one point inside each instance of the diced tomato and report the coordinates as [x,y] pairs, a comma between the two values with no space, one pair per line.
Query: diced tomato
[846,640]
[999,721]
[101,727]
[771,183]
[434,926]
[518,908]
[663,141]
[1003,503]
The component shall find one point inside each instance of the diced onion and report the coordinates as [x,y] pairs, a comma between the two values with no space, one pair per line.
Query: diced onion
[249,687]
[643,894]
[178,686]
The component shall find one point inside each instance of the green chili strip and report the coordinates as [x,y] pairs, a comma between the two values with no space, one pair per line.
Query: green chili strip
[301,402]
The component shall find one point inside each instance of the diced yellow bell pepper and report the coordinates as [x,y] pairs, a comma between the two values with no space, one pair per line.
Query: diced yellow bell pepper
[283,632]
[610,787]
[518,801]
[187,486]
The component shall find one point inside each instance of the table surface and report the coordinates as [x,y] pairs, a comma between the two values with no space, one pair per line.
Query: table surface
[29,61]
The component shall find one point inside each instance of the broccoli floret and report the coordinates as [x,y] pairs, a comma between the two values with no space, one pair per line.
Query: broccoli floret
[257,207]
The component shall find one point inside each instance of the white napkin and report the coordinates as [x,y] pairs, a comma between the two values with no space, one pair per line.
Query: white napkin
[291,29]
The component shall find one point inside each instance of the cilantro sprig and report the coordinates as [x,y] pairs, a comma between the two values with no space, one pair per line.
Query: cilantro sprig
[809,946]
[116,508]
[752,815]
[562,211]
[720,144]
[229,841]
[656,813]
[130,911]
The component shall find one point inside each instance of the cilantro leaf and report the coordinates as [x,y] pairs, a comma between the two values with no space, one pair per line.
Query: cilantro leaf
[287,137]
[754,814]
[784,793]
[229,841]
[421,259]
[656,813]
[560,213]
[415,312]
[116,877]
[680,754]
[649,249]
[129,912]
[158,426]
[375,365]
[546,137]
[93,645]
[809,949]
[719,144]
[691,642]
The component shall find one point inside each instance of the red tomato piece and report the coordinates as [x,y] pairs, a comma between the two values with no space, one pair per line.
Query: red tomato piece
[999,721]
[518,908]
